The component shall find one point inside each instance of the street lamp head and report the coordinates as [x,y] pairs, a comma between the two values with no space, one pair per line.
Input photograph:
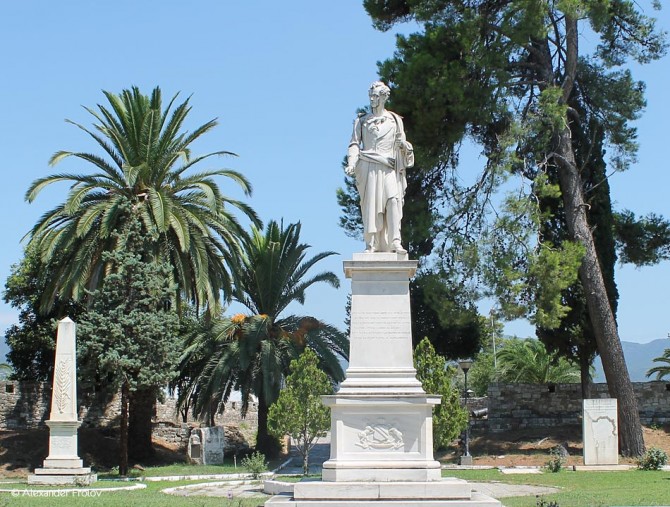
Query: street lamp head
[465,364]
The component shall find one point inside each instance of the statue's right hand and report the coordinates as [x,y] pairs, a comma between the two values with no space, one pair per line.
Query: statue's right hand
[349,170]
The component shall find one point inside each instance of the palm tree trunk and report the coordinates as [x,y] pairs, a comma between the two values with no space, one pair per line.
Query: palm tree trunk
[139,428]
[212,413]
[265,443]
[123,437]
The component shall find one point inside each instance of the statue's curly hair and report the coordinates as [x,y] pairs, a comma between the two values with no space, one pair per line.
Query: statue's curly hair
[383,89]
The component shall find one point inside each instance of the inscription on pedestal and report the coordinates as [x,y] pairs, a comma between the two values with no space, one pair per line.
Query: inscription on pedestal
[383,325]
[60,444]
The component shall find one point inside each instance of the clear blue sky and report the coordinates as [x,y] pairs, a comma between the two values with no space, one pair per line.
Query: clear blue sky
[285,80]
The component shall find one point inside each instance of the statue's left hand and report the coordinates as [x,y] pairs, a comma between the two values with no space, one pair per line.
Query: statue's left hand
[401,144]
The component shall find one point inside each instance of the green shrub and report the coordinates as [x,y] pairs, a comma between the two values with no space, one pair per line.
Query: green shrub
[255,463]
[541,502]
[556,460]
[653,459]
[449,417]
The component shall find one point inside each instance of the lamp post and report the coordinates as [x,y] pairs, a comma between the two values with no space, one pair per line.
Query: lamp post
[465,365]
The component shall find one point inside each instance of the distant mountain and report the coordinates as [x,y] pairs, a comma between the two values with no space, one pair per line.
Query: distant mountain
[639,359]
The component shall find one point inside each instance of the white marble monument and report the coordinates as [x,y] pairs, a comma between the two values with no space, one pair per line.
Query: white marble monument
[63,465]
[601,432]
[206,445]
[381,451]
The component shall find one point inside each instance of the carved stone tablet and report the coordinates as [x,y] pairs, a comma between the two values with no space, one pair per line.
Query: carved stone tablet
[601,432]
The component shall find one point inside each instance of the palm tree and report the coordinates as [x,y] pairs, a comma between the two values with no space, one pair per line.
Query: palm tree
[143,172]
[252,353]
[663,369]
[145,162]
[527,361]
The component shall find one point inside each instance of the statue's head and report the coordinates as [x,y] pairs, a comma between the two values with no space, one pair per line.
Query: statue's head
[380,89]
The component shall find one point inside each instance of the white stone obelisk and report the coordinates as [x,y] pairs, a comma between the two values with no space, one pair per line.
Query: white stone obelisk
[63,465]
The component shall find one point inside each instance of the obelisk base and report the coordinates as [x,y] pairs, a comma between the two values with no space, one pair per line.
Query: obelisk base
[63,465]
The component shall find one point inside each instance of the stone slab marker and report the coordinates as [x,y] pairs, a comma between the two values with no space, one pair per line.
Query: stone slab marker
[63,465]
[601,432]
[206,445]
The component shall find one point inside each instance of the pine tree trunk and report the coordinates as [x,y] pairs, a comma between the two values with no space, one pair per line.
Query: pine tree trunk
[600,311]
[585,376]
[123,437]
[139,428]
[590,272]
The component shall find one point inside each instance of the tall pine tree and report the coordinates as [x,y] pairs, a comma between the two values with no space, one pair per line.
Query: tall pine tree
[129,335]
[503,74]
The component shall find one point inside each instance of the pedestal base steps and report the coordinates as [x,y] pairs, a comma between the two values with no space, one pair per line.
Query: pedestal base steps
[81,476]
[448,492]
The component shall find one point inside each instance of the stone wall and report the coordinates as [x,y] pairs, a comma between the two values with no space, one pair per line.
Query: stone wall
[510,406]
[27,404]
[23,404]
[519,406]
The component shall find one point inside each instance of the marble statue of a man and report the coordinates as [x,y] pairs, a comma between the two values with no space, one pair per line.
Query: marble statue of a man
[378,156]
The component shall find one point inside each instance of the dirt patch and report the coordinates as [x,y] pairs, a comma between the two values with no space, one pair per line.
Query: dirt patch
[23,450]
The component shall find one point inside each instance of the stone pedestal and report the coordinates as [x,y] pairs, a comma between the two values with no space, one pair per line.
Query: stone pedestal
[63,465]
[381,450]
[380,351]
[381,419]
[381,438]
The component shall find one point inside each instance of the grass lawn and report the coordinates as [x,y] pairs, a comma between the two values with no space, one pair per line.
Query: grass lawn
[584,489]
[228,467]
[99,484]
[180,469]
[149,497]
[297,478]
[578,489]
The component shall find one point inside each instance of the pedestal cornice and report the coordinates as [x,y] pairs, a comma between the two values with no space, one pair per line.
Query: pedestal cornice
[385,262]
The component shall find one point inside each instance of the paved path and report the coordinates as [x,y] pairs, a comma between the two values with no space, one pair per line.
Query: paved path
[319,453]
[223,489]
[236,489]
